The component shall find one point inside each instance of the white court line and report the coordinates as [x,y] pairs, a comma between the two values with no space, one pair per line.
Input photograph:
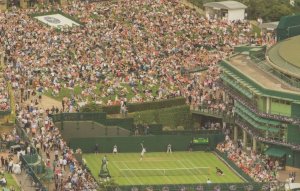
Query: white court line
[133,174]
[195,165]
[130,161]
[192,173]
[118,167]
[124,175]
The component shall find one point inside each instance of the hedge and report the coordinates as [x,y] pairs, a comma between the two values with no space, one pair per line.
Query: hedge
[135,107]
[171,116]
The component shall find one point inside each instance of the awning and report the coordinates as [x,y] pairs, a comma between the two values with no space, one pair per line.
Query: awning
[275,152]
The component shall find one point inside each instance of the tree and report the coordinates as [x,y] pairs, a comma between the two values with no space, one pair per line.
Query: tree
[91,107]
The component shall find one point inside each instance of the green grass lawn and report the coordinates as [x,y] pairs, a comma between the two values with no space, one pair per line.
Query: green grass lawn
[155,168]
[66,92]
[10,182]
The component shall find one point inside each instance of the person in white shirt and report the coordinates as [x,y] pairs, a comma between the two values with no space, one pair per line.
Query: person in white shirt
[143,152]
[65,163]
[115,149]
[208,181]
[3,181]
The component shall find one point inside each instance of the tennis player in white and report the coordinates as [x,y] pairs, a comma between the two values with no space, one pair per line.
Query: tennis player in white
[143,152]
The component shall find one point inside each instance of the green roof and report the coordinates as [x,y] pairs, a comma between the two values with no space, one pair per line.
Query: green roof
[275,152]
[255,117]
[236,74]
[237,87]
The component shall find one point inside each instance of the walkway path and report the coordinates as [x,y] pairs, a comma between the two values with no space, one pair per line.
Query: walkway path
[48,103]
[23,179]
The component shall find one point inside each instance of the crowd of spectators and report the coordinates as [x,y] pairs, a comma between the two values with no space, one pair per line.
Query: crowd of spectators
[124,49]
[47,140]
[4,96]
[257,166]
[133,50]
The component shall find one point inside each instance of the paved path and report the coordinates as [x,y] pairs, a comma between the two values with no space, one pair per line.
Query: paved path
[284,175]
[48,103]
[23,179]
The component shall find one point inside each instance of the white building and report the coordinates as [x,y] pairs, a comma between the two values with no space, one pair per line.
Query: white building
[228,10]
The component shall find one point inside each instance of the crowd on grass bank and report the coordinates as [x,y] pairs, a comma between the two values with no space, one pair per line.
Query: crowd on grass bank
[130,50]
[126,49]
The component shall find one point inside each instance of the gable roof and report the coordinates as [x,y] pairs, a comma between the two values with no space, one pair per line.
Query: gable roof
[226,5]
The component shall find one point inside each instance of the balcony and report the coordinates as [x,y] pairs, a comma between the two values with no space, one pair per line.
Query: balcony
[253,108]
[249,130]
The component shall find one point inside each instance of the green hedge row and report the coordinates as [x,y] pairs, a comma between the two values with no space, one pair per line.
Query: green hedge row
[4,113]
[171,116]
[135,107]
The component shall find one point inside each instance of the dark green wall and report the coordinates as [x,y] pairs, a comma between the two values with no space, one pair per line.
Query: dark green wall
[293,134]
[296,110]
[296,159]
[156,143]
[171,117]
[84,129]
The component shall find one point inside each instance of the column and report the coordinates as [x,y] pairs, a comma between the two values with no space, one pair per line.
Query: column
[267,104]
[254,144]
[244,138]
[1,57]
[224,97]
[3,5]
[23,4]
[63,2]
[235,133]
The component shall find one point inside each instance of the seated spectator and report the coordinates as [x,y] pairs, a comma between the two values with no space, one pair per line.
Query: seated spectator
[3,181]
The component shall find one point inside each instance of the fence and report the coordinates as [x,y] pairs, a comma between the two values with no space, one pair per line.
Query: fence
[135,107]
[154,143]
[29,160]
[288,26]
[201,187]
[31,173]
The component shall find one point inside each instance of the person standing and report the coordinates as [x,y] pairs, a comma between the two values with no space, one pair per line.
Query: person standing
[169,148]
[115,149]
[143,152]
[96,150]
[10,166]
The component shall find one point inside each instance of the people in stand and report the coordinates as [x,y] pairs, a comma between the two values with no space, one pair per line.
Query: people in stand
[257,166]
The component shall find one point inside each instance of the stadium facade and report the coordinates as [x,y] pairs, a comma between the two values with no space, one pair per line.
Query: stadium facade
[265,87]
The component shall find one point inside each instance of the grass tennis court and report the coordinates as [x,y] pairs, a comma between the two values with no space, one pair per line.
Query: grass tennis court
[162,168]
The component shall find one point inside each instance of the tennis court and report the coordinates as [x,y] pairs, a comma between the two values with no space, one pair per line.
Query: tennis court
[162,168]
